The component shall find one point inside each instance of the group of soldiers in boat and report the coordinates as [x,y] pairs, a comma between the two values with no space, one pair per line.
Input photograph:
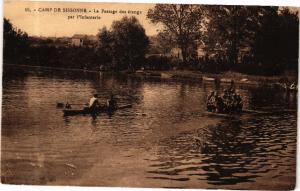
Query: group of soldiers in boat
[94,104]
[228,102]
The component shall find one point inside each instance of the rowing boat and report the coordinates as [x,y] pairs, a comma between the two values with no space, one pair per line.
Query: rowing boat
[225,115]
[208,79]
[247,111]
[87,110]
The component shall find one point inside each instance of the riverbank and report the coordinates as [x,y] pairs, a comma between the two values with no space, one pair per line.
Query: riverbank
[197,76]
[226,77]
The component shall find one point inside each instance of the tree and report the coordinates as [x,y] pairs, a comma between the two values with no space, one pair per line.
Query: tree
[129,43]
[276,42]
[270,34]
[182,22]
[234,27]
[9,38]
[289,30]
[15,41]
[104,48]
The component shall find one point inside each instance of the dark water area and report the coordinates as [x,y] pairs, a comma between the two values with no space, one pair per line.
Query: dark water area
[164,140]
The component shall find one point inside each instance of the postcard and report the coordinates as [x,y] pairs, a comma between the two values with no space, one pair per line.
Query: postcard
[149,95]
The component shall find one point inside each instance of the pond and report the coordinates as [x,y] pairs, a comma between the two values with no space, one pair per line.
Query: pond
[165,140]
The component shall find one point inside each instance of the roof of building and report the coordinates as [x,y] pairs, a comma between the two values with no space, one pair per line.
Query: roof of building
[81,36]
[78,36]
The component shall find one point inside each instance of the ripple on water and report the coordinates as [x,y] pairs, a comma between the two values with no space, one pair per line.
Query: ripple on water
[231,153]
[156,140]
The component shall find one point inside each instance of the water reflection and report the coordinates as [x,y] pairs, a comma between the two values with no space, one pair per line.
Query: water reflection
[229,154]
[164,139]
[233,152]
[265,98]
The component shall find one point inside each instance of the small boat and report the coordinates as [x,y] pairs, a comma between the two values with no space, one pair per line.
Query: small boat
[225,115]
[140,72]
[247,82]
[226,80]
[247,111]
[87,110]
[208,79]
[166,75]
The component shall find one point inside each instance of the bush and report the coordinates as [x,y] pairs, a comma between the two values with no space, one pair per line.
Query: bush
[157,62]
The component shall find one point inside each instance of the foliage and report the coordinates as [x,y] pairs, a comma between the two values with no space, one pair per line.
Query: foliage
[125,45]
[276,45]
[15,41]
[255,39]
[233,28]
[162,43]
[64,57]
[104,48]
[181,22]
[249,39]
[155,62]
[19,49]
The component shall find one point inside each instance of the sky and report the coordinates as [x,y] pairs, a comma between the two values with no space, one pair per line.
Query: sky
[56,24]
[42,22]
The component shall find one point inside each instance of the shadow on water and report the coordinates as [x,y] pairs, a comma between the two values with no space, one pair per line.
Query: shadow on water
[227,152]
[164,127]
[233,152]
[269,98]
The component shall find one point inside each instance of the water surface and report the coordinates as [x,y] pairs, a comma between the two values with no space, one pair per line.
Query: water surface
[165,140]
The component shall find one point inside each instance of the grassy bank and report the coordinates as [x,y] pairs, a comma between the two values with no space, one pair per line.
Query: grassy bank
[190,75]
[225,77]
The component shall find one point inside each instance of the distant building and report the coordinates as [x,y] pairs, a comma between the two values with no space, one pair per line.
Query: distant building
[169,49]
[177,53]
[77,40]
[83,40]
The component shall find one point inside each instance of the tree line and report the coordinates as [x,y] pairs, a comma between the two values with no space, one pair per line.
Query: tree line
[245,38]
[249,39]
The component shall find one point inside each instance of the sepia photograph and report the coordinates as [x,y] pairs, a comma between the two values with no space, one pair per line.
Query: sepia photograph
[149,95]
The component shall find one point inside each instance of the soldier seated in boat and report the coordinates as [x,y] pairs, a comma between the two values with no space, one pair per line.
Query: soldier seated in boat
[94,103]
[226,102]
[238,103]
[229,102]
[220,105]
[232,102]
[68,106]
[211,102]
[112,103]
[231,89]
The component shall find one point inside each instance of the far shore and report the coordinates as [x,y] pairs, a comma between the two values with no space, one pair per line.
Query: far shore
[191,75]
[223,78]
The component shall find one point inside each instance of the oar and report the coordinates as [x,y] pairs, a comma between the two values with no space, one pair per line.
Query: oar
[270,112]
[61,104]
[254,111]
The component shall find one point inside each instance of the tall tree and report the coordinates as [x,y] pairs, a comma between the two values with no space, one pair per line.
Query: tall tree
[15,41]
[129,43]
[183,22]
[123,46]
[9,38]
[234,27]
[104,49]
[276,43]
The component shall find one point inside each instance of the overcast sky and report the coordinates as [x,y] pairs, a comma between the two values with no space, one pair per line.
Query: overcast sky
[42,23]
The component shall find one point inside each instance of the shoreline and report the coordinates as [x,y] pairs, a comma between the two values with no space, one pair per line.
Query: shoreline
[226,78]
[188,75]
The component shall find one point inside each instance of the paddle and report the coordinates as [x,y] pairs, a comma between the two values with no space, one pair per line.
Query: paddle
[61,104]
